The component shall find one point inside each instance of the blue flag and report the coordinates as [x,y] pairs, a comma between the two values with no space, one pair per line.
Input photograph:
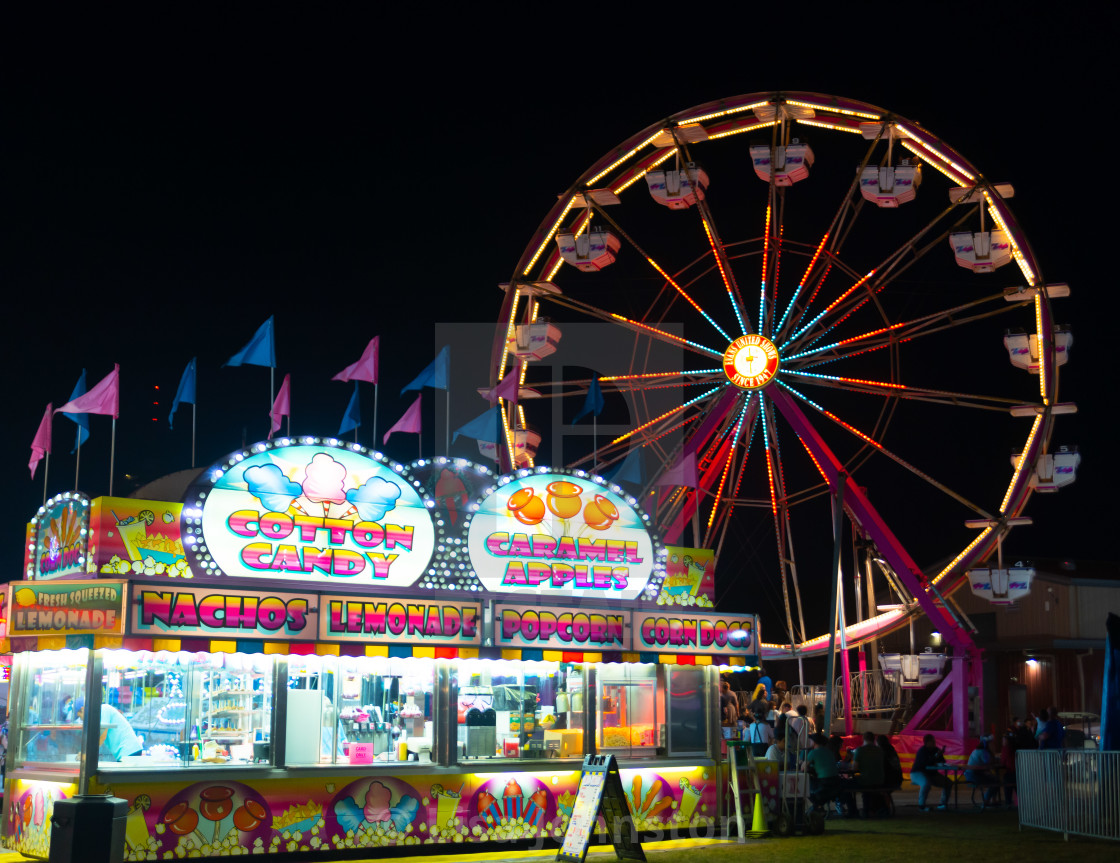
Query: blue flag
[353,416]
[434,375]
[630,470]
[593,404]
[81,419]
[485,427]
[261,349]
[185,393]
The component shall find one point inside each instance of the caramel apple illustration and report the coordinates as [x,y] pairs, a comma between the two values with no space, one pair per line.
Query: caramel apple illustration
[215,803]
[600,514]
[526,507]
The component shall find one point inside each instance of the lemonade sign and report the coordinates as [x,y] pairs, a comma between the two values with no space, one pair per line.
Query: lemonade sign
[66,608]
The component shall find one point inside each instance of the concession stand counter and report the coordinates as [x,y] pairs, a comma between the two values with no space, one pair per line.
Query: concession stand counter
[322,649]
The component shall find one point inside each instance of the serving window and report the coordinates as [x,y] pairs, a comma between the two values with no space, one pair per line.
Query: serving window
[159,710]
[510,709]
[52,692]
[166,709]
[631,709]
[366,709]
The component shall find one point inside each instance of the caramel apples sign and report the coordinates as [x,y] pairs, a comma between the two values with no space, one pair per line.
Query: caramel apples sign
[309,511]
[560,534]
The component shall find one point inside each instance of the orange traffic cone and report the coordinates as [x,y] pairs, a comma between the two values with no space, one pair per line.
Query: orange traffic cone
[758,827]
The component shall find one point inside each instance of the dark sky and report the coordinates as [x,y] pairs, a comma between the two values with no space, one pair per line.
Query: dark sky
[167,185]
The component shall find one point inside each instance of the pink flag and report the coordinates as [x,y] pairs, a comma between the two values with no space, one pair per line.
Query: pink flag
[103,398]
[282,407]
[364,369]
[410,422]
[42,443]
[507,386]
[681,473]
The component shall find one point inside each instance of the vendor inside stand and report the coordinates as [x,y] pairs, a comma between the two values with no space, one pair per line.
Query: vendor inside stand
[117,739]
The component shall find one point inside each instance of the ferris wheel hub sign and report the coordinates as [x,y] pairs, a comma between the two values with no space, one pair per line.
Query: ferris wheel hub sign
[750,362]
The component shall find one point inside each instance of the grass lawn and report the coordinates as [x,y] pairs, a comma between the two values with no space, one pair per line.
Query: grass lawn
[909,837]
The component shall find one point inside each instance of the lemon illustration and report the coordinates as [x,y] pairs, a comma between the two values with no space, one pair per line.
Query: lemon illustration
[146,516]
[25,596]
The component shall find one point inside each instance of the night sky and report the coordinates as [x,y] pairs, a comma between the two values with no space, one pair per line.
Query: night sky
[169,185]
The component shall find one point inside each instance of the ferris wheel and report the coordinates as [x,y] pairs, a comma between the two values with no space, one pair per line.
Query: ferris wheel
[865,341]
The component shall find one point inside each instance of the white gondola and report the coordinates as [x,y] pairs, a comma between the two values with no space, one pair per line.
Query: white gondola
[1023,348]
[788,164]
[913,670]
[890,187]
[1053,470]
[590,251]
[534,341]
[525,443]
[981,251]
[1001,586]
[678,190]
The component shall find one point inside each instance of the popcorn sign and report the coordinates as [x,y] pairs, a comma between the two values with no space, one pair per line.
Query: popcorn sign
[313,513]
[552,534]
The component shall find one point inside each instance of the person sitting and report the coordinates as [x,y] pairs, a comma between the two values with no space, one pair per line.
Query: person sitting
[778,752]
[925,775]
[868,762]
[979,769]
[820,763]
[892,764]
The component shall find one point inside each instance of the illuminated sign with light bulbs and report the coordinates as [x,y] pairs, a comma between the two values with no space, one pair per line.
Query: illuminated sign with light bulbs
[60,538]
[564,534]
[309,510]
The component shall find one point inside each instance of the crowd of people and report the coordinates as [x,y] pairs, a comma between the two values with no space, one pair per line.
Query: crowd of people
[796,740]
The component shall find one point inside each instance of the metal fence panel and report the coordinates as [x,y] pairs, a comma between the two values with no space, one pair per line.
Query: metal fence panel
[1071,791]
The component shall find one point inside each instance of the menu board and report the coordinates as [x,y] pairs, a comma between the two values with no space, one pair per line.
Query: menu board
[600,793]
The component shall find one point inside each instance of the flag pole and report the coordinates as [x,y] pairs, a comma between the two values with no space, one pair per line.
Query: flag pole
[112,455]
[447,426]
[375,386]
[78,461]
[595,441]
[194,408]
[47,470]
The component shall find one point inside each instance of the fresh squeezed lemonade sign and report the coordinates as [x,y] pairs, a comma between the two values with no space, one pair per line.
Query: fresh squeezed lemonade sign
[313,514]
[554,534]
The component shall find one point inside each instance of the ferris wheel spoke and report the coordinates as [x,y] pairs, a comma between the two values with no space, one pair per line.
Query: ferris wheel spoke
[661,271]
[888,453]
[910,330]
[731,453]
[892,266]
[719,252]
[670,413]
[838,229]
[893,390]
[636,326]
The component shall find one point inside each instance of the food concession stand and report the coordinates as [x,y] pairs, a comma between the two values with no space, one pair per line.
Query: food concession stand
[319,648]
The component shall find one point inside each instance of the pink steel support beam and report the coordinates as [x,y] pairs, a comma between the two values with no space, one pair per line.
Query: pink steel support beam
[869,520]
